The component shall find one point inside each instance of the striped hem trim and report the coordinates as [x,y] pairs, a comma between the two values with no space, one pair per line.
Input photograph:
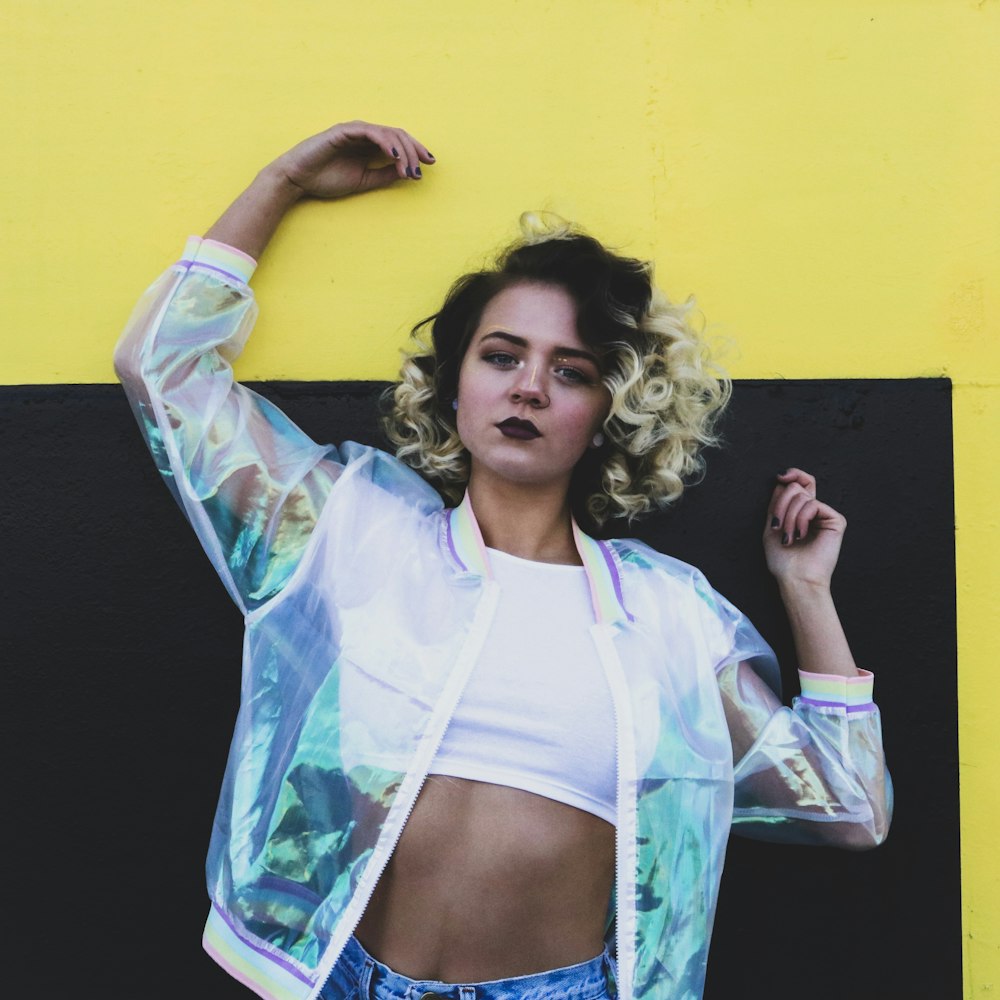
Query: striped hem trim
[832,691]
[262,971]
[219,257]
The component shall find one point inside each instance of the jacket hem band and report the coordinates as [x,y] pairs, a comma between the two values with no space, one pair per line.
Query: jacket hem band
[261,972]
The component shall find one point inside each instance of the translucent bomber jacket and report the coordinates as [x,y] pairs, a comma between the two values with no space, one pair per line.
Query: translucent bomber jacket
[366,605]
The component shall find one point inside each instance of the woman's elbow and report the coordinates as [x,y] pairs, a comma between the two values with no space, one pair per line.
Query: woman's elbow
[860,833]
[860,838]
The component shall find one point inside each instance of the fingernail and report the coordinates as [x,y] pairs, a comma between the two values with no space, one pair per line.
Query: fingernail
[395,152]
[775,522]
[417,172]
[784,538]
[409,172]
[432,156]
[798,534]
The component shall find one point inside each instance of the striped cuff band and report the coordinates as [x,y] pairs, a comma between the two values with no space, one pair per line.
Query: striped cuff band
[226,261]
[832,691]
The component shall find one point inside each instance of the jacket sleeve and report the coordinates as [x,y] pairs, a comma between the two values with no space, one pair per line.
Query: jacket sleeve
[813,773]
[251,483]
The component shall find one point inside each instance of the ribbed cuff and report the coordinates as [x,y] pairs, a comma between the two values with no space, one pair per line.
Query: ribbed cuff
[226,261]
[854,694]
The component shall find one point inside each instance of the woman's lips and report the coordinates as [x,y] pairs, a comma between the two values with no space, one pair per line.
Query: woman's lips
[523,430]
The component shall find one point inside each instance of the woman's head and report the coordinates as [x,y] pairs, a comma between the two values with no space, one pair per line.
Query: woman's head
[664,394]
[531,395]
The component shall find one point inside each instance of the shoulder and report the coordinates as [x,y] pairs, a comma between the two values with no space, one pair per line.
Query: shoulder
[666,593]
[686,601]
[377,507]
[643,563]
[370,470]
[677,595]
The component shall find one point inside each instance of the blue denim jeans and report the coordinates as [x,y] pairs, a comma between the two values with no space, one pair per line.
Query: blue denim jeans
[358,976]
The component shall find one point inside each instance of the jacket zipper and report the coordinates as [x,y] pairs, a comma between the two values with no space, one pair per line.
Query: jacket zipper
[624,929]
[467,659]
[619,785]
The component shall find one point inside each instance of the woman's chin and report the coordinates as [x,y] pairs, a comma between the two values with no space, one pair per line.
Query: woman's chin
[521,473]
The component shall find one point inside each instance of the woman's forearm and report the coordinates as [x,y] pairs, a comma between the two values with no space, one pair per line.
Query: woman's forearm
[250,222]
[820,643]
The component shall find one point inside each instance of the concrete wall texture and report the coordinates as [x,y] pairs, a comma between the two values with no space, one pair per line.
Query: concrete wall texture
[822,175]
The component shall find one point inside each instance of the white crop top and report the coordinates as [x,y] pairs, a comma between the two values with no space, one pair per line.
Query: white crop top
[536,713]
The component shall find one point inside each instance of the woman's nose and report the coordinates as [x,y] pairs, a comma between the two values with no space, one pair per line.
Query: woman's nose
[528,389]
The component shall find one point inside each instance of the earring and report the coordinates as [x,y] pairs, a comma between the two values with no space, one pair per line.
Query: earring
[454,403]
[598,440]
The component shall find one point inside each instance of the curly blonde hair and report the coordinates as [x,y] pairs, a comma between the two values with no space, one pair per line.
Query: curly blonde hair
[666,392]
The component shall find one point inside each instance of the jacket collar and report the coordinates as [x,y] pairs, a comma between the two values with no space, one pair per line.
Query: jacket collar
[465,542]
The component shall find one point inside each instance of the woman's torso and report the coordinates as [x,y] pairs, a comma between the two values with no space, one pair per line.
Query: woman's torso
[505,866]
[489,882]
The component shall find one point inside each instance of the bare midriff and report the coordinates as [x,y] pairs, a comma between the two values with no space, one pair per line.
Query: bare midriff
[489,882]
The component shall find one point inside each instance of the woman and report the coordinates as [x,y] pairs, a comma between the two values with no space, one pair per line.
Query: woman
[475,744]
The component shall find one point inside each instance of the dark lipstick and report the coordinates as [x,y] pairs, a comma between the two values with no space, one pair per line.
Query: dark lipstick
[523,430]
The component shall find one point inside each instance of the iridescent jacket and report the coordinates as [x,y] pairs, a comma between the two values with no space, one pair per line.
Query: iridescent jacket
[353,578]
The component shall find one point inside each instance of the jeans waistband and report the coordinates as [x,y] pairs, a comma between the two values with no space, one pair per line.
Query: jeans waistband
[584,981]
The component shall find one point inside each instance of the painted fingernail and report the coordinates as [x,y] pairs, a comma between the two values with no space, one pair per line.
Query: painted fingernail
[417,172]
[409,172]
[775,522]
[395,152]
[784,538]
[798,534]
[431,155]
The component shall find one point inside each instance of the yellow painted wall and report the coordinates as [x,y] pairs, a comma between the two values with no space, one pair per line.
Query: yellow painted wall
[823,174]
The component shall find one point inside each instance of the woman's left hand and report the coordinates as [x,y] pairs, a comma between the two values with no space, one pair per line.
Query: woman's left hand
[802,536]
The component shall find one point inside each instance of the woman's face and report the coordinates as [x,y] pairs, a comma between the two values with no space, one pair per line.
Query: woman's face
[530,397]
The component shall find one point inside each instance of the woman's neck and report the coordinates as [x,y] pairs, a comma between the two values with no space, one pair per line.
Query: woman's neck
[531,522]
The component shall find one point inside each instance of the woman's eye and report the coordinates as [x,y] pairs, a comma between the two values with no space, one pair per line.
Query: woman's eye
[573,375]
[501,359]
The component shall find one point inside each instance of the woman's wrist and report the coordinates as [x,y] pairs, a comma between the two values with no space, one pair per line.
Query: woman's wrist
[250,222]
[275,183]
[805,593]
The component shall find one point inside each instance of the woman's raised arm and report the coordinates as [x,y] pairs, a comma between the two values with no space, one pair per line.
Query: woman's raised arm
[349,158]
[249,480]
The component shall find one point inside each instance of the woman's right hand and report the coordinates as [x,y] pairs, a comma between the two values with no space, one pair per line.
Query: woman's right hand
[351,158]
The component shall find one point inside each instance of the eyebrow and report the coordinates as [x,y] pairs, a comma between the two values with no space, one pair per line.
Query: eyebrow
[562,352]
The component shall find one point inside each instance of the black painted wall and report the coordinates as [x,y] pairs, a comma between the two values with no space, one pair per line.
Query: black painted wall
[121,657]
